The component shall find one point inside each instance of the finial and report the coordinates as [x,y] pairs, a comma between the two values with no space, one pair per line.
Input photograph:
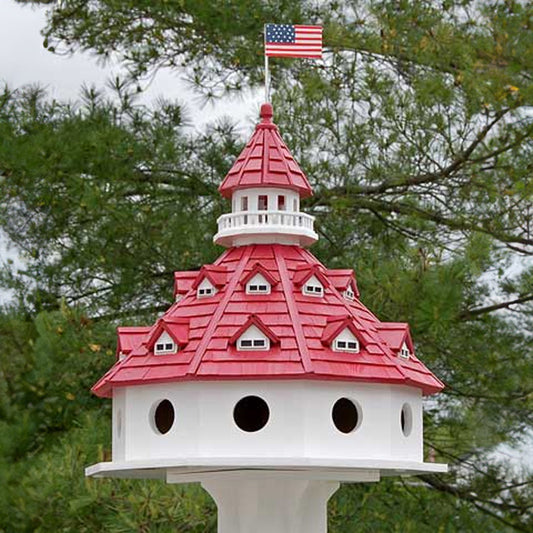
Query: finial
[266,113]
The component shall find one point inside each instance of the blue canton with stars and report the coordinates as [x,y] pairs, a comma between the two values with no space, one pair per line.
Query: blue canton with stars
[280,33]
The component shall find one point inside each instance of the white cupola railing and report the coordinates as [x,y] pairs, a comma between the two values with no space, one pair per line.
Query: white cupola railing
[263,224]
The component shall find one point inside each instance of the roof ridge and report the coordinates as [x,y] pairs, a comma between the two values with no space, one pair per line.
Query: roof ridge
[281,146]
[287,288]
[213,324]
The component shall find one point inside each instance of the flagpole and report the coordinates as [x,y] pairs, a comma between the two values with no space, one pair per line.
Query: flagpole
[267,76]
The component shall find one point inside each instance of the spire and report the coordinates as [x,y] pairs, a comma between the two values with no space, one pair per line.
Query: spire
[266,162]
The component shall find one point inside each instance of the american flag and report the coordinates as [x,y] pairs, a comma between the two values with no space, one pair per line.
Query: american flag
[293,40]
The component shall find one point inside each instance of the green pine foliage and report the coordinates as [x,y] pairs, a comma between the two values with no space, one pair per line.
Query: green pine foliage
[417,136]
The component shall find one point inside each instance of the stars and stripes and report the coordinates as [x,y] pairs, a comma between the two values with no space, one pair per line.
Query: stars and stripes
[293,40]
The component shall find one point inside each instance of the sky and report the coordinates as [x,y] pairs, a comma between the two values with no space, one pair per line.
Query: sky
[24,60]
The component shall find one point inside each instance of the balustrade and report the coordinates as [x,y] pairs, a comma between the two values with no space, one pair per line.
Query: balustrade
[248,219]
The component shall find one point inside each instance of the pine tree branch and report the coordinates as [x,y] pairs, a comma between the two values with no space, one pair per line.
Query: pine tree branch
[479,503]
[428,177]
[470,313]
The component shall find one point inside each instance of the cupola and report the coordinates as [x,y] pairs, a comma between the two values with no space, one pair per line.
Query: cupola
[265,186]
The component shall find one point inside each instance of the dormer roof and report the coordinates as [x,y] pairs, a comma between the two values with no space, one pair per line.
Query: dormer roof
[130,337]
[183,281]
[215,274]
[260,269]
[335,325]
[342,278]
[176,327]
[254,320]
[395,334]
[265,162]
[305,272]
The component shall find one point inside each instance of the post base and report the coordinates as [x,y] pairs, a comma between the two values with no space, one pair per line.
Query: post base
[270,505]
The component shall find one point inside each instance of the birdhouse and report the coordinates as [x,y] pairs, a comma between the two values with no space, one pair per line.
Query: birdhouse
[267,380]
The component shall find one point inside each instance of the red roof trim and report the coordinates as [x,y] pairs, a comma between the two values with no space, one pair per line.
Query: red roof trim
[265,161]
[219,311]
[179,334]
[254,320]
[258,268]
[293,311]
[214,273]
[303,274]
[335,326]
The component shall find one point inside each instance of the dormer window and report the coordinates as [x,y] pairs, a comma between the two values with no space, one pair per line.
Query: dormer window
[313,287]
[404,352]
[346,341]
[253,339]
[165,345]
[258,285]
[346,346]
[349,294]
[205,289]
[253,344]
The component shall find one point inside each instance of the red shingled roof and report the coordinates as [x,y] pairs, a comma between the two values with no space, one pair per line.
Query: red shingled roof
[341,279]
[175,326]
[130,337]
[298,321]
[254,320]
[265,162]
[183,281]
[214,273]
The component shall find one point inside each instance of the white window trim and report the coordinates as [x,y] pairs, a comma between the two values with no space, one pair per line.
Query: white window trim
[313,290]
[258,288]
[265,344]
[341,345]
[168,348]
[313,287]
[349,294]
[206,292]
[404,352]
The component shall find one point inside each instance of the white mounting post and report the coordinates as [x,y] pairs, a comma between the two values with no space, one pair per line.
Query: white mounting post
[270,504]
